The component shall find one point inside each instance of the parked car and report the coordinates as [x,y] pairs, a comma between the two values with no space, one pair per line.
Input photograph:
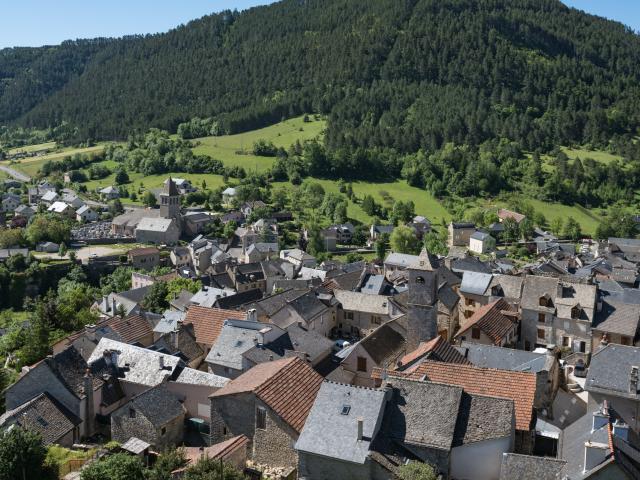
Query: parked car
[340,344]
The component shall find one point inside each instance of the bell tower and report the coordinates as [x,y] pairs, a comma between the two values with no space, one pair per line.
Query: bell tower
[422,317]
[169,200]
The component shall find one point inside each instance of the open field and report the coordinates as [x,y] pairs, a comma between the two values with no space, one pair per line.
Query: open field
[31,165]
[235,150]
[33,148]
[597,155]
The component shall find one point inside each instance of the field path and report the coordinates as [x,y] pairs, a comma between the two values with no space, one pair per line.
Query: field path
[16,174]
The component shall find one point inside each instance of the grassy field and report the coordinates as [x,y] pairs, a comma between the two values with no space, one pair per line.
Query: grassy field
[235,150]
[33,148]
[597,155]
[31,165]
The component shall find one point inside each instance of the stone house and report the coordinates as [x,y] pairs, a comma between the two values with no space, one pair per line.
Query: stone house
[339,433]
[24,211]
[298,257]
[184,186]
[615,322]
[158,231]
[83,389]
[195,222]
[398,262]
[180,257]
[493,324]
[48,197]
[360,313]
[613,377]
[269,404]
[557,312]
[46,416]
[376,230]
[62,209]
[249,207]
[229,195]
[86,214]
[503,214]
[481,242]
[72,199]
[478,289]
[10,202]
[155,416]
[383,348]
[460,233]
[109,193]
[146,258]
[48,247]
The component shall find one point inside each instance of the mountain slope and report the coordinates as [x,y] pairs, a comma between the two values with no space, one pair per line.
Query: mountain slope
[395,73]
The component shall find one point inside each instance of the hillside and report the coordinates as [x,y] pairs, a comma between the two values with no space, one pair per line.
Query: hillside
[401,74]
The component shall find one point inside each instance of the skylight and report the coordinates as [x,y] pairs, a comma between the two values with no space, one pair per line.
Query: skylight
[345,409]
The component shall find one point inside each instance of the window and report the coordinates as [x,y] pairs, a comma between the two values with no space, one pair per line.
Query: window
[468,313]
[261,418]
[624,341]
[469,302]
[583,347]
[163,430]
[475,333]
[375,319]
[576,312]
[348,315]
[541,317]
[565,341]
[545,301]
[132,413]
[345,410]
[541,333]
[362,364]
[419,280]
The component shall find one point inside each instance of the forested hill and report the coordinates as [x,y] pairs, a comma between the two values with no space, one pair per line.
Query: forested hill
[396,73]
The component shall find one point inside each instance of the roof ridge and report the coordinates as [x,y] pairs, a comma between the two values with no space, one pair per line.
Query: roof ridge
[360,387]
[475,367]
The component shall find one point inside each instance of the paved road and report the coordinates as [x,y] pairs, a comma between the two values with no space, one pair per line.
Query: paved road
[16,174]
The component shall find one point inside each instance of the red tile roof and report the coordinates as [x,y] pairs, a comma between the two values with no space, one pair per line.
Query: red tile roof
[517,386]
[288,386]
[437,349]
[495,319]
[207,322]
[222,450]
[131,328]
[503,214]
[136,252]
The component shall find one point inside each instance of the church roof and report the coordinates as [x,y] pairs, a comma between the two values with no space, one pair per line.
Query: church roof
[170,188]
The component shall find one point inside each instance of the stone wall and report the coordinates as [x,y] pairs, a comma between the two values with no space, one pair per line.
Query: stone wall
[273,446]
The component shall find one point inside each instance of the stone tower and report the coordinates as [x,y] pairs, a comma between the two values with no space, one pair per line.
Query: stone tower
[170,200]
[422,317]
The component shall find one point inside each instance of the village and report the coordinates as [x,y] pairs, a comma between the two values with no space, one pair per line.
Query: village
[288,367]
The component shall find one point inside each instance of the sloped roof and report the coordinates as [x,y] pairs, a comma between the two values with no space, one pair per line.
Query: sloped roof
[517,386]
[490,356]
[475,283]
[384,345]
[503,214]
[208,322]
[169,188]
[132,328]
[362,302]
[610,371]
[44,415]
[222,450]
[438,350]
[159,405]
[492,321]
[288,387]
[528,467]
[617,317]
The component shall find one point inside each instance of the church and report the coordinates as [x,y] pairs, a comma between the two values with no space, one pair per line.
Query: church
[157,226]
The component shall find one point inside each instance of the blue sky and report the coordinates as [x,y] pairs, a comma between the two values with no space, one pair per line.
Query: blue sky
[40,22]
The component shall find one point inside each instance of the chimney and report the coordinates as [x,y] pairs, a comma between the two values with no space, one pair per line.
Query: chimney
[105,303]
[252,315]
[106,355]
[114,306]
[176,338]
[633,381]
[88,392]
[600,418]
[360,428]
[90,331]
[621,430]
[114,358]
[161,362]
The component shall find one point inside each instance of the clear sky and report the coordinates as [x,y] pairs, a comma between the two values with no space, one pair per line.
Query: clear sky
[46,22]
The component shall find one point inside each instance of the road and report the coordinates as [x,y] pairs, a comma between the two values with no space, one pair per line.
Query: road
[15,174]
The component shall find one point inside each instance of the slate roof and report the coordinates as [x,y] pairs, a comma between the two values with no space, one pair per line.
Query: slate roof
[135,445]
[535,287]
[492,321]
[44,415]
[615,317]
[482,236]
[490,356]
[384,345]
[152,224]
[136,364]
[400,259]
[517,386]
[509,285]
[610,370]
[438,350]
[235,338]
[362,302]
[239,299]
[207,322]
[289,387]
[187,347]
[143,251]
[528,467]
[158,405]
[70,368]
[191,376]
[475,283]
[331,429]
[483,418]
[169,188]
[470,264]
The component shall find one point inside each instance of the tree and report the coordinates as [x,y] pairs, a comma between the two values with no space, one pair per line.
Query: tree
[417,471]
[48,228]
[404,240]
[44,319]
[121,177]
[22,456]
[156,298]
[120,466]
[62,251]
[435,243]
[511,231]
[115,207]
[166,463]
[381,246]
[229,229]
[177,285]
[526,228]
[149,199]
[312,195]
[572,229]
[10,237]
[369,206]
[556,226]
[118,281]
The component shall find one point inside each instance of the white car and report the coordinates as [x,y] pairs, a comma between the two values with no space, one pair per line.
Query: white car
[340,345]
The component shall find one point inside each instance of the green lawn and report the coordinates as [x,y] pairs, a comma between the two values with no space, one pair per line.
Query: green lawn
[33,148]
[235,150]
[31,165]
[152,182]
[587,219]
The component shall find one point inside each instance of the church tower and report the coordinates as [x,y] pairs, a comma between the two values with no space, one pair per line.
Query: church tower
[170,200]
[422,317]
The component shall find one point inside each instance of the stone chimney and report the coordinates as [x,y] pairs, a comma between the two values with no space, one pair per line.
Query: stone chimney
[161,362]
[360,428]
[114,306]
[633,380]
[90,331]
[252,315]
[88,393]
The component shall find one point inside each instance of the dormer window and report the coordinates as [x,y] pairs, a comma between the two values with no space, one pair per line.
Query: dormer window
[576,312]
[420,280]
[545,301]
[496,291]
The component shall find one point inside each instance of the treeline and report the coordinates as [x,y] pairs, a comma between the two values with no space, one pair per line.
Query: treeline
[403,75]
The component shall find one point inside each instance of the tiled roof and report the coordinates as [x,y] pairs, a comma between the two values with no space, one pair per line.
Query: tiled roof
[288,387]
[503,214]
[44,415]
[438,350]
[492,321]
[137,252]
[221,451]
[132,328]
[527,467]
[158,405]
[207,322]
[517,386]
[384,345]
